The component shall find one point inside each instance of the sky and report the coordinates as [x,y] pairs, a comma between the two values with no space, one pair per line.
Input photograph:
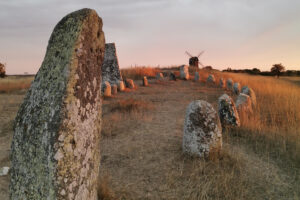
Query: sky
[233,33]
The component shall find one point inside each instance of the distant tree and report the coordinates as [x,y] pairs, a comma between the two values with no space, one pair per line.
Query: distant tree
[255,71]
[277,69]
[2,70]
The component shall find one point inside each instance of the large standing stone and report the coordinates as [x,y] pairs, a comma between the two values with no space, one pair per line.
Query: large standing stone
[227,111]
[121,86]
[184,72]
[222,83]
[145,81]
[243,104]
[236,88]
[202,130]
[211,79]
[55,149]
[229,84]
[106,89]
[197,76]
[129,83]
[247,90]
[159,76]
[110,67]
[173,77]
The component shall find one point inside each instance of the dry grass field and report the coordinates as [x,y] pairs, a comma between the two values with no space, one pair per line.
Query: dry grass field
[142,134]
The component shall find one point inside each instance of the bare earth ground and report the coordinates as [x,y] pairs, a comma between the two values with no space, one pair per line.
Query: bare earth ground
[141,150]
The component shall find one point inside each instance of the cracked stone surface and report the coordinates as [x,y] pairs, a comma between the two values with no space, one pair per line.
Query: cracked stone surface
[110,67]
[227,111]
[55,150]
[202,130]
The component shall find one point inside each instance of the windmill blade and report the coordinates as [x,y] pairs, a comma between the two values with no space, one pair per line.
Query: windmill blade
[187,53]
[201,64]
[200,54]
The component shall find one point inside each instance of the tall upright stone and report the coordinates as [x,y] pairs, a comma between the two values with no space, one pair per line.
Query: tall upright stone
[184,72]
[222,83]
[249,91]
[211,79]
[229,84]
[110,67]
[227,111]
[202,130]
[55,149]
[145,81]
[236,88]
[197,76]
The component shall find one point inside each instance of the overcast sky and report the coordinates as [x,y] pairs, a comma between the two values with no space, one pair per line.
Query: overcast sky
[233,33]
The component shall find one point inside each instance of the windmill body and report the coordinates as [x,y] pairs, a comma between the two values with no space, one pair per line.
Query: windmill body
[194,60]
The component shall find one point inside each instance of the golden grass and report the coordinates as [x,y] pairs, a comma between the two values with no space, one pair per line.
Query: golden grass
[12,83]
[137,73]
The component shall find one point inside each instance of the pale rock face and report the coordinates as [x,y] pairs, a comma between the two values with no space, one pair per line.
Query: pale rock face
[229,84]
[236,88]
[227,111]
[110,67]
[106,89]
[55,149]
[222,83]
[211,79]
[121,86]
[202,130]
[159,76]
[184,72]
[129,83]
[244,104]
[145,81]
[114,89]
[247,90]
[197,77]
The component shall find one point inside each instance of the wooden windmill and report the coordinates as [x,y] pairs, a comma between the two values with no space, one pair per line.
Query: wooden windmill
[194,60]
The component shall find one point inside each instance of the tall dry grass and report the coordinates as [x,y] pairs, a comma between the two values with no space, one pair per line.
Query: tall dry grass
[139,72]
[274,128]
[14,83]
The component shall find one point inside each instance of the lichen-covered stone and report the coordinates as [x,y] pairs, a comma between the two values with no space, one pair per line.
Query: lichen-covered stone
[129,83]
[172,76]
[55,149]
[184,72]
[243,104]
[145,81]
[197,76]
[110,67]
[202,130]
[247,90]
[114,89]
[236,88]
[229,84]
[121,86]
[222,83]
[159,76]
[106,89]
[211,79]
[227,111]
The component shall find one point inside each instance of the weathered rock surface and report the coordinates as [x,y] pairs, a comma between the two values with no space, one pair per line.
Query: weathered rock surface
[114,89]
[247,90]
[222,83]
[129,83]
[110,67]
[172,76]
[197,76]
[202,130]
[159,76]
[236,88]
[211,79]
[227,111]
[145,81]
[106,89]
[55,149]
[229,84]
[184,72]
[244,104]
[121,86]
